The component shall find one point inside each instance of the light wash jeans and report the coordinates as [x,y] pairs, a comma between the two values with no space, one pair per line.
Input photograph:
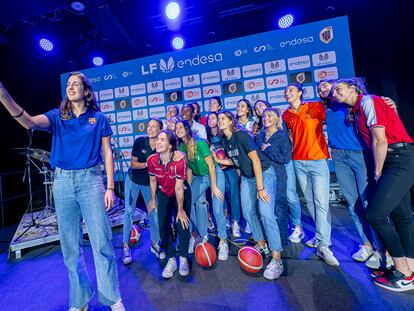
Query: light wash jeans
[292,197]
[79,194]
[131,195]
[248,192]
[352,176]
[199,213]
[313,177]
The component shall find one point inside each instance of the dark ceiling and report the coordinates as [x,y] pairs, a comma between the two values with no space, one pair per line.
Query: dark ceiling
[128,29]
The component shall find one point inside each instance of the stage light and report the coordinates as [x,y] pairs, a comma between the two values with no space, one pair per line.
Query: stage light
[286,21]
[172,10]
[78,6]
[46,44]
[97,61]
[178,43]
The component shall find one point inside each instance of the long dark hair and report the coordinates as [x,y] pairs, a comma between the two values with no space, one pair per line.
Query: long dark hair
[191,145]
[208,128]
[249,108]
[90,100]
[260,121]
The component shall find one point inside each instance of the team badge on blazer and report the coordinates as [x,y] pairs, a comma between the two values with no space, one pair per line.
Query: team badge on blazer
[92,120]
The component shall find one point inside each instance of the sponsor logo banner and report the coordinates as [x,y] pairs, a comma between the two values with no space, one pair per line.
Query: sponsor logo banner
[172,97]
[326,73]
[157,112]
[210,77]
[140,101]
[107,106]
[141,114]
[274,82]
[126,141]
[106,94]
[232,88]
[122,91]
[253,85]
[138,89]
[324,58]
[124,129]
[123,104]
[124,116]
[156,99]
[308,92]
[126,153]
[212,90]
[171,84]
[275,97]
[154,86]
[275,66]
[140,127]
[326,35]
[231,102]
[114,129]
[252,98]
[191,80]
[230,74]
[110,117]
[252,70]
[300,62]
[300,77]
[192,94]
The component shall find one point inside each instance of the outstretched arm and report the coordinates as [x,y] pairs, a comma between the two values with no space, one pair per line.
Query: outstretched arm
[21,116]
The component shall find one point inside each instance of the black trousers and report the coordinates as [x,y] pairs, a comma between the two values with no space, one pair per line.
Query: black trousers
[167,206]
[391,200]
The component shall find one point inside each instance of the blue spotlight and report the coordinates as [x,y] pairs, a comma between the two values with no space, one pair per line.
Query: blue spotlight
[177,43]
[172,10]
[286,21]
[97,61]
[46,44]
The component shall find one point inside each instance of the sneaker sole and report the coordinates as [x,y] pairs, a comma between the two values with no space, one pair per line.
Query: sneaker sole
[360,260]
[184,274]
[394,289]
[332,264]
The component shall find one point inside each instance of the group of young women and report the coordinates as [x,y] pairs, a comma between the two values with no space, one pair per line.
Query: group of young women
[250,165]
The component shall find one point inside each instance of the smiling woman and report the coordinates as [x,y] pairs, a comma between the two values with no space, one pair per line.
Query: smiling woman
[80,132]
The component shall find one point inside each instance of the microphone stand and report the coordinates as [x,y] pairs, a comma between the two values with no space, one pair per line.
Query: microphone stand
[27,171]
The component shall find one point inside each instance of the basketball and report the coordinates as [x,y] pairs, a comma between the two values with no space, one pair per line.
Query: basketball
[135,234]
[250,259]
[205,254]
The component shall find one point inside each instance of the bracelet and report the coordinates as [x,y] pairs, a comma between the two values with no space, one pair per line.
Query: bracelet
[260,190]
[113,189]
[18,115]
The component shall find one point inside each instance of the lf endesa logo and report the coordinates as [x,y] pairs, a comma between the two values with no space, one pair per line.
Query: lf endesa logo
[169,65]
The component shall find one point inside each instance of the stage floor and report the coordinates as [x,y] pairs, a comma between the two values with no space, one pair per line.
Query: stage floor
[38,280]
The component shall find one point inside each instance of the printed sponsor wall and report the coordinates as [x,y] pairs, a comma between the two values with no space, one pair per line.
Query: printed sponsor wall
[253,67]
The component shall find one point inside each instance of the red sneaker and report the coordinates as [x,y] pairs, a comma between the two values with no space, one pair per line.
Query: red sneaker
[395,281]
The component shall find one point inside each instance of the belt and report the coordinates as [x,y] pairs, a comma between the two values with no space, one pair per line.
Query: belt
[399,146]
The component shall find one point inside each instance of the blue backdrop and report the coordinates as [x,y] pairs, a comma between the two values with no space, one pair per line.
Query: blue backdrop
[253,67]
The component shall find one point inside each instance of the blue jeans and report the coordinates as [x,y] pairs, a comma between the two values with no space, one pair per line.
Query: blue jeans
[313,177]
[351,173]
[233,192]
[199,213]
[248,191]
[79,194]
[131,195]
[292,195]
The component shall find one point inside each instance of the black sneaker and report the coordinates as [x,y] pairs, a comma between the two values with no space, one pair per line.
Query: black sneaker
[264,250]
[395,281]
[157,251]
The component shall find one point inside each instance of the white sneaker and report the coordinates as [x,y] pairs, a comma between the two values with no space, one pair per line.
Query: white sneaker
[379,261]
[211,227]
[157,251]
[223,250]
[297,235]
[247,229]
[126,255]
[326,254]
[311,242]
[184,267]
[84,308]
[191,245]
[273,270]
[363,253]
[235,229]
[169,269]
[118,306]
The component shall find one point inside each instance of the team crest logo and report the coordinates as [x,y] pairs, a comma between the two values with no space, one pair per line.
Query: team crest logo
[326,35]
[92,120]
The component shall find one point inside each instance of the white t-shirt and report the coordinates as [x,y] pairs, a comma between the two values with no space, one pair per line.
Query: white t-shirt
[199,130]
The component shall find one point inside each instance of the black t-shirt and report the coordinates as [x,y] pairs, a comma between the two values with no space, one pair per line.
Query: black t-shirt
[142,150]
[237,148]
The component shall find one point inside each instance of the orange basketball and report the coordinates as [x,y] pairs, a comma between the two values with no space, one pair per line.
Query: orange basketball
[250,259]
[135,234]
[205,254]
